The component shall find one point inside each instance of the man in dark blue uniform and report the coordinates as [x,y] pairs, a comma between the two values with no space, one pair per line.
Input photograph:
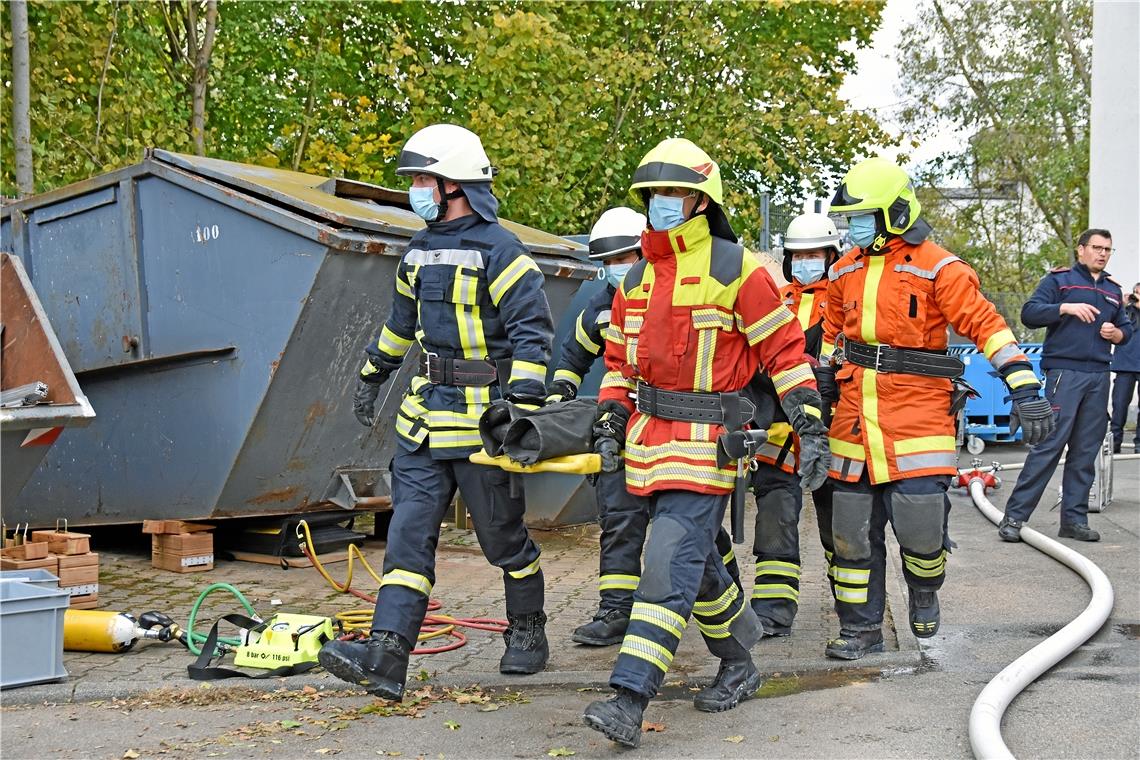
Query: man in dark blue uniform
[1082,310]
[469,294]
[1126,365]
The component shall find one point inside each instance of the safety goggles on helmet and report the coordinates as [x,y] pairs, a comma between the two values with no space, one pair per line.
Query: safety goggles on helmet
[446,151]
[617,231]
[677,162]
[878,185]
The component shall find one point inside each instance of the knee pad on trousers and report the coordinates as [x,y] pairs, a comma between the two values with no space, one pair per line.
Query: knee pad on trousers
[665,535]
[851,524]
[777,524]
[918,519]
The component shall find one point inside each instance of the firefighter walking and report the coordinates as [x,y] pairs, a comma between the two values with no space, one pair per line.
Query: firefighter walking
[467,292]
[690,326]
[889,303]
[615,242]
[811,245]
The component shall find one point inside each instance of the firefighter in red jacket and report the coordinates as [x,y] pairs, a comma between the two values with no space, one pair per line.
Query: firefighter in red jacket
[811,245]
[889,303]
[690,326]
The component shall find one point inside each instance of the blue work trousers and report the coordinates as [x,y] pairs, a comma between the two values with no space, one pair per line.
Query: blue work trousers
[422,492]
[1123,391]
[1080,411]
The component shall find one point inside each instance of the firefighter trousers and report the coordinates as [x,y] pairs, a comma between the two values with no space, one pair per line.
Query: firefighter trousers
[1080,411]
[918,510]
[684,575]
[779,502]
[624,520]
[422,491]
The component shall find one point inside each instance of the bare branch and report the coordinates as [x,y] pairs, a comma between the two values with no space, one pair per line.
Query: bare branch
[103,77]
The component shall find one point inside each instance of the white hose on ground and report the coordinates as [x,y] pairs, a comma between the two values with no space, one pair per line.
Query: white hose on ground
[986,715]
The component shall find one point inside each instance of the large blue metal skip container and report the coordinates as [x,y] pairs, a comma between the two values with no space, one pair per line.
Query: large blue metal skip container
[215,314]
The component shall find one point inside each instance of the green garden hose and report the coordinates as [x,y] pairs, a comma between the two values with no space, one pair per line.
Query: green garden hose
[193,639]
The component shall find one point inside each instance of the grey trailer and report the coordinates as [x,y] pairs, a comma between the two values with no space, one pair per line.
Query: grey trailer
[215,314]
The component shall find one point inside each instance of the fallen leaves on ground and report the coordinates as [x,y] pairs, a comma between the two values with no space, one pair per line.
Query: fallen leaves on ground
[561,752]
[734,739]
[650,726]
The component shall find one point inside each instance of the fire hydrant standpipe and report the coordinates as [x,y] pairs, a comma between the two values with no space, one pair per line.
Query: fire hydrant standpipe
[986,714]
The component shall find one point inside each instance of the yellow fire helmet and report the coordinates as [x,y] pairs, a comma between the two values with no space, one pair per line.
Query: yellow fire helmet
[677,162]
[877,184]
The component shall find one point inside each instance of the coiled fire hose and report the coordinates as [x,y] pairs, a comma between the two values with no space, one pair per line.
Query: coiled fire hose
[985,716]
[357,622]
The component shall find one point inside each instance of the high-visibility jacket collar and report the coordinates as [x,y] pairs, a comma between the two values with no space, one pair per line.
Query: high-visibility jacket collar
[666,244]
[812,287]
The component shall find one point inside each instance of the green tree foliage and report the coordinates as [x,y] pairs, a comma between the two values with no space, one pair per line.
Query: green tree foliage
[1015,77]
[566,96]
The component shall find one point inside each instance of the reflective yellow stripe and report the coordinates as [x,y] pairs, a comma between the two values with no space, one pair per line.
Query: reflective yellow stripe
[510,276]
[923,572]
[650,651]
[775,567]
[996,341]
[811,410]
[658,616]
[403,288]
[852,575]
[1021,378]
[584,338]
[729,558]
[938,561]
[624,582]
[803,314]
[706,348]
[719,630]
[847,449]
[527,571]
[718,605]
[766,325]
[452,439]
[615,379]
[775,591]
[850,595]
[875,441]
[521,370]
[686,473]
[369,368]
[871,298]
[392,344]
[925,443]
[411,580]
[790,378]
[569,376]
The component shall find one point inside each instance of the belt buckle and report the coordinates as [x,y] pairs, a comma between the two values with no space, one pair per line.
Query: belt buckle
[878,357]
[433,373]
[839,354]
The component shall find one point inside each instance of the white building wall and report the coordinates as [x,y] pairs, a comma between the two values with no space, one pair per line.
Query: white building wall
[1114,144]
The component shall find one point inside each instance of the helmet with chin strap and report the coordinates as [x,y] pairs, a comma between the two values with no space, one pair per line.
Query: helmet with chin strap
[810,232]
[880,187]
[617,231]
[451,153]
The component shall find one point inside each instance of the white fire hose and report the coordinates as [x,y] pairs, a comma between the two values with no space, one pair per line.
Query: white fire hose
[986,715]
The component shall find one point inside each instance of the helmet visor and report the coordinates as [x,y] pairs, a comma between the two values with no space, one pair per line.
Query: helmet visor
[658,173]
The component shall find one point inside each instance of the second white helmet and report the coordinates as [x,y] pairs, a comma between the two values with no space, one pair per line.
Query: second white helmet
[810,231]
[617,230]
[446,151]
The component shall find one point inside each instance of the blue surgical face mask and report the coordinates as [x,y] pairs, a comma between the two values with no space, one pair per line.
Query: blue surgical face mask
[861,228]
[423,202]
[666,212]
[807,271]
[615,273]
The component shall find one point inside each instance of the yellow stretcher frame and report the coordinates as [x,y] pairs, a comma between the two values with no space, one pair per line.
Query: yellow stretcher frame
[573,464]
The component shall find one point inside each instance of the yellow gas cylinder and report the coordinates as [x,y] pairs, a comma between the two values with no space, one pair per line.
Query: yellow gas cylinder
[98,631]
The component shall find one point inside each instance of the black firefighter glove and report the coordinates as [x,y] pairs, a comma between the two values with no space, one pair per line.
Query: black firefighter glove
[561,390]
[1033,414]
[609,434]
[825,381]
[803,405]
[367,391]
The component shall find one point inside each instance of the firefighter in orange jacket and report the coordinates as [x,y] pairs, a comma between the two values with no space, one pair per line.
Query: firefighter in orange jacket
[889,303]
[690,326]
[811,245]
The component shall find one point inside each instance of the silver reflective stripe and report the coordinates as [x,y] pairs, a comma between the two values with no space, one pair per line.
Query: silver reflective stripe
[456,257]
[1004,354]
[926,274]
[834,274]
[912,462]
[809,242]
[603,317]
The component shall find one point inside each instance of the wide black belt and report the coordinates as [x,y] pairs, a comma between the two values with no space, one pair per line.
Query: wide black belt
[903,360]
[728,409]
[444,370]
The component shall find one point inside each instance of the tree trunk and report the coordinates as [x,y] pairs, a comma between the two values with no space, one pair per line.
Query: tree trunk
[21,98]
[201,79]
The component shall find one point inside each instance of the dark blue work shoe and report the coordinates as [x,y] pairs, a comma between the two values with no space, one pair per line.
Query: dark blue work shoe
[1010,530]
[1079,532]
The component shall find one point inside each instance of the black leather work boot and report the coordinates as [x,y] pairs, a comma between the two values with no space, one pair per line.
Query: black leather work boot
[618,717]
[736,681]
[924,613]
[1079,532]
[1010,530]
[852,646]
[607,627]
[527,648]
[379,663]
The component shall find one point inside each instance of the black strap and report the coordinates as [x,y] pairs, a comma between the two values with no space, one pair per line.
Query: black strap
[902,360]
[201,670]
[444,370]
[728,409]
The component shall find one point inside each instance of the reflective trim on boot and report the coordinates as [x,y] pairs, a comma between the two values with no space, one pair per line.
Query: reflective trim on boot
[379,663]
[607,628]
[735,682]
[924,613]
[527,648]
[852,646]
[618,717]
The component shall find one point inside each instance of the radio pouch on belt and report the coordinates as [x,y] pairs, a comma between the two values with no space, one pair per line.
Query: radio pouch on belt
[284,645]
